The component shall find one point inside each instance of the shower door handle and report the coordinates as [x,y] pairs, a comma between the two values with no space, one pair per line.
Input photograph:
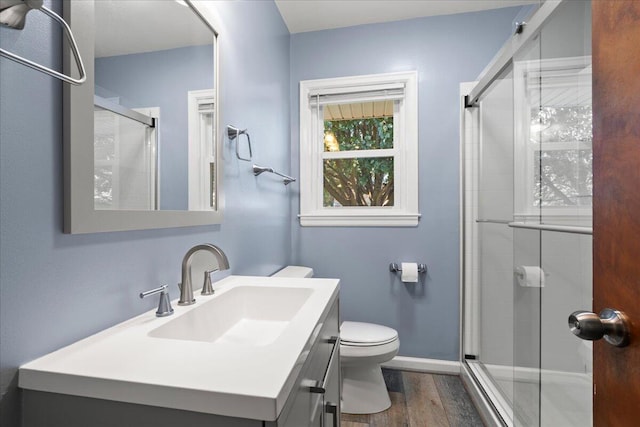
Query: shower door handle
[612,325]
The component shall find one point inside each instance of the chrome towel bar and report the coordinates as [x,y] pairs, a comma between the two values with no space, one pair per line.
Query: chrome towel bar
[257,170]
[13,14]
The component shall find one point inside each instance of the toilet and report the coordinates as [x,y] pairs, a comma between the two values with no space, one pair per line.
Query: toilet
[363,348]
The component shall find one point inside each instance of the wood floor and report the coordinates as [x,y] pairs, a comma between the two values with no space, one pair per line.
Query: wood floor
[421,400]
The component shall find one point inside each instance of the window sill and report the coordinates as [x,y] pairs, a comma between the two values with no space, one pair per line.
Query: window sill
[364,220]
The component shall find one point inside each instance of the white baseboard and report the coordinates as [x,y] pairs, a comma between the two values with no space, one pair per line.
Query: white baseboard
[418,364]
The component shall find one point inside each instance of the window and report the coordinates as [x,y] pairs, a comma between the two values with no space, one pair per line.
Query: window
[202,150]
[553,137]
[359,151]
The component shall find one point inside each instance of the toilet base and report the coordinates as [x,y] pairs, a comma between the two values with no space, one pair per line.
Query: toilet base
[364,390]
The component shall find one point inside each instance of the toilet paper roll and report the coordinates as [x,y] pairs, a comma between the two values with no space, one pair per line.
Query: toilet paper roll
[530,276]
[409,272]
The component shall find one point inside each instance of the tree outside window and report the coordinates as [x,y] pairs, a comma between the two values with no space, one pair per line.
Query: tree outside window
[362,181]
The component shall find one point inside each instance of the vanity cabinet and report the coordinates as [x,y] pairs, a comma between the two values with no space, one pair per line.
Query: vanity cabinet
[314,399]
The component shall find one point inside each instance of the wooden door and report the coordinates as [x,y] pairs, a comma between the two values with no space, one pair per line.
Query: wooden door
[616,209]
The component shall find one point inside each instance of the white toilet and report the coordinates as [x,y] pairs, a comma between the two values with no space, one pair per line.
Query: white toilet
[363,347]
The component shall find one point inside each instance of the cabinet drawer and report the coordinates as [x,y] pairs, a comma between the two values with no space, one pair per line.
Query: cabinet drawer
[305,406]
[327,343]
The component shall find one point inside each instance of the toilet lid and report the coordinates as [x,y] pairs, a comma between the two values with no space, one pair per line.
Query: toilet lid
[358,333]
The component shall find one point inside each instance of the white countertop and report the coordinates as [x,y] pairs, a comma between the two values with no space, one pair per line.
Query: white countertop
[123,363]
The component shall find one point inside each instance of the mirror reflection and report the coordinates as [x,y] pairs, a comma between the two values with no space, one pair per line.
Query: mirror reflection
[154,107]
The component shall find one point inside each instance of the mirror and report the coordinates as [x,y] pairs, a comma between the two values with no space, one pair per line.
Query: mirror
[141,134]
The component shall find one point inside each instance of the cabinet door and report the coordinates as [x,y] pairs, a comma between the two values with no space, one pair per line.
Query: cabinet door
[318,381]
[319,378]
[333,393]
[306,410]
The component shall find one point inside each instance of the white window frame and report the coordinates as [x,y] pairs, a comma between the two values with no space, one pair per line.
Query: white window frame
[525,151]
[202,153]
[405,212]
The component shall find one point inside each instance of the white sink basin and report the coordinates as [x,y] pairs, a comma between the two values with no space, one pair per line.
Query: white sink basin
[244,315]
[235,353]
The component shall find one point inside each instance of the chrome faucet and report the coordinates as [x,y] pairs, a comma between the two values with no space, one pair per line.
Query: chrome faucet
[186,287]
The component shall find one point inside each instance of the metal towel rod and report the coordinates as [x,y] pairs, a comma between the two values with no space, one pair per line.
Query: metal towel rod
[544,227]
[257,170]
[549,227]
[13,13]
[233,133]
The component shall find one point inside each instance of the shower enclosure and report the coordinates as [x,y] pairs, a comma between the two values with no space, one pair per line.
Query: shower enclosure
[527,190]
[125,166]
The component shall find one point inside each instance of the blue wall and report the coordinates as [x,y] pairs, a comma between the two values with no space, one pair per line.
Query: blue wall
[57,288]
[162,79]
[445,50]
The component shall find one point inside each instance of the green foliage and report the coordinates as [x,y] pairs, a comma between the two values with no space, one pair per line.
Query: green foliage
[563,178]
[360,181]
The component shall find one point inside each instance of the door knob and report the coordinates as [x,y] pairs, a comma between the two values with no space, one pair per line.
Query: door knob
[612,325]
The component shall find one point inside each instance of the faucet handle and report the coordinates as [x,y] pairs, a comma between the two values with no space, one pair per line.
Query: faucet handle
[164,305]
[207,286]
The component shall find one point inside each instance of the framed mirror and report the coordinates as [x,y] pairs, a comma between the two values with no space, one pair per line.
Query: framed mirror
[141,143]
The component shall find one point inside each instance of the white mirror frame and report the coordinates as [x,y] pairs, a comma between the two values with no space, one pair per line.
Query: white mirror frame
[79,213]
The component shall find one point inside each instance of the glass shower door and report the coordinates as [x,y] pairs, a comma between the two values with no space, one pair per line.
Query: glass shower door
[528,193]
[490,353]
[553,194]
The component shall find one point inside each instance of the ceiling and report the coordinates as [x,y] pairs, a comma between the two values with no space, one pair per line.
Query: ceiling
[134,26]
[312,15]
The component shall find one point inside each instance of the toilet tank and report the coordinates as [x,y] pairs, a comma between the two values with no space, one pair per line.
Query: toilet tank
[294,271]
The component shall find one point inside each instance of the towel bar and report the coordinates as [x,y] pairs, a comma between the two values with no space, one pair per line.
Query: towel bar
[13,13]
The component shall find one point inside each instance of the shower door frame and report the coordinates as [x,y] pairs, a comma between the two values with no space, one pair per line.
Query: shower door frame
[616,163]
[502,62]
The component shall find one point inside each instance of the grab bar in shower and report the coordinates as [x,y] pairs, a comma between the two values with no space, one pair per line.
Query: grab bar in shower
[13,14]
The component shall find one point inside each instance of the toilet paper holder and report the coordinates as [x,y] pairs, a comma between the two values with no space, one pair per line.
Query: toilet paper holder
[395,268]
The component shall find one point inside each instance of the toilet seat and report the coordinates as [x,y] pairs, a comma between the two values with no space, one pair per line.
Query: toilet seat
[358,334]
[354,354]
